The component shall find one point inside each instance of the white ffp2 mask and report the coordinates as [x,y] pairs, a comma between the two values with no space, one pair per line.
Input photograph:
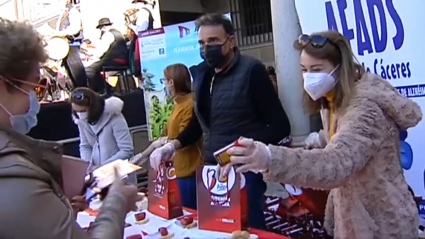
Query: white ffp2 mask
[317,84]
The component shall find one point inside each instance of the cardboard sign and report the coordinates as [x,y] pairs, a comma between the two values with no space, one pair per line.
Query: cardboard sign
[164,197]
[105,175]
[222,205]
[73,174]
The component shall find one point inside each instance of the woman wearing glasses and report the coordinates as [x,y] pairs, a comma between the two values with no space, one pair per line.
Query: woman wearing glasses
[104,133]
[178,86]
[357,154]
[32,201]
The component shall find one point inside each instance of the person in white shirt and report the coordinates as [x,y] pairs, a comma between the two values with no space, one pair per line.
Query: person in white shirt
[110,51]
[145,18]
[69,25]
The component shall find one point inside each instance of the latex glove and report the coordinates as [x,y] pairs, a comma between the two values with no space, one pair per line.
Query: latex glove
[251,155]
[165,153]
[222,172]
[312,141]
[159,142]
[139,159]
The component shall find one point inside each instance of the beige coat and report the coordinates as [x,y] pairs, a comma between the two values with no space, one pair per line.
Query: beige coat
[369,198]
[32,204]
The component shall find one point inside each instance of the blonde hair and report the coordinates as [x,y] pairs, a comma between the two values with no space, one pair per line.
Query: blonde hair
[338,51]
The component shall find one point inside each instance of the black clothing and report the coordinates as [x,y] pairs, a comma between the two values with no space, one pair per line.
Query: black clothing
[117,50]
[151,19]
[75,68]
[117,55]
[242,103]
[238,101]
[72,63]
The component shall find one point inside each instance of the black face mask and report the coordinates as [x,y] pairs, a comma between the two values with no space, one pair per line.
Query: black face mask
[213,54]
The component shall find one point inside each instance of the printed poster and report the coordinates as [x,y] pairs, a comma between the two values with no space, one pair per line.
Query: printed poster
[386,36]
[160,48]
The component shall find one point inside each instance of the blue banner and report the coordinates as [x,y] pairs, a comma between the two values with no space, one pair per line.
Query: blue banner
[160,48]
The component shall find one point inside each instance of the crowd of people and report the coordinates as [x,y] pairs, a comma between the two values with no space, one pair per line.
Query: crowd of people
[111,51]
[232,97]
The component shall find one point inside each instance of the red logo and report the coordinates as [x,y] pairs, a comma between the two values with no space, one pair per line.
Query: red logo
[184,31]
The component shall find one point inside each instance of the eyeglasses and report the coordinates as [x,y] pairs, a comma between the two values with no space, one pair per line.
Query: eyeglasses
[40,88]
[163,80]
[316,41]
[78,95]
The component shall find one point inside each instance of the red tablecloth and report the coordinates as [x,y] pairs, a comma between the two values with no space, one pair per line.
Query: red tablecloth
[259,233]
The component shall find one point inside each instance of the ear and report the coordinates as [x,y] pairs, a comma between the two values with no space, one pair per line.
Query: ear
[232,41]
[170,82]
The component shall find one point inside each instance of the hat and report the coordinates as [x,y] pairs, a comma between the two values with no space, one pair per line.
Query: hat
[152,2]
[104,22]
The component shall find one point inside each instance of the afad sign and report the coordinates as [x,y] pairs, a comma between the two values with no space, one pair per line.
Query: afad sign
[387,37]
[377,40]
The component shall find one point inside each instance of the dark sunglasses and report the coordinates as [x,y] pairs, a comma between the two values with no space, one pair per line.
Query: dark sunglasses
[78,95]
[316,41]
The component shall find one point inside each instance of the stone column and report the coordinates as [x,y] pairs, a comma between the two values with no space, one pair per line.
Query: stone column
[286,29]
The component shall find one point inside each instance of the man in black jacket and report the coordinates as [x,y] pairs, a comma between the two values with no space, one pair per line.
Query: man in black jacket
[234,97]
[110,51]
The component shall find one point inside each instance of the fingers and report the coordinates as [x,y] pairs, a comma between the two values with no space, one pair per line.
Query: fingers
[245,142]
[239,160]
[225,170]
[155,160]
[117,178]
[239,151]
[152,160]
[116,174]
[244,168]
[217,172]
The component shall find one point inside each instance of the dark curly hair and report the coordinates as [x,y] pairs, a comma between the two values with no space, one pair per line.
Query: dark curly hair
[21,47]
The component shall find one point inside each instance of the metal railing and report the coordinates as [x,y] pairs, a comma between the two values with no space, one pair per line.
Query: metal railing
[252,21]
[133,130]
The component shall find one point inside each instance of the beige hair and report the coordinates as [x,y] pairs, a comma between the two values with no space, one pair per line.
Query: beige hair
[338,51]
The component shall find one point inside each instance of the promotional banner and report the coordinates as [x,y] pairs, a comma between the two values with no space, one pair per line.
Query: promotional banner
[160,48]
[386,37]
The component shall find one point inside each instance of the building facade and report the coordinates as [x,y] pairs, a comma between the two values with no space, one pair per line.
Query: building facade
[251,18]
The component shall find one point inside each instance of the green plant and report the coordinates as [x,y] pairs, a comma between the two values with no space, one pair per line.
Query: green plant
[159,113]
[147,80]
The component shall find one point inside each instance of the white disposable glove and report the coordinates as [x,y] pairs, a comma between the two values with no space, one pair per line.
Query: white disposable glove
[163,153]
[253,155]
[312,141]
[139,159]
[159,142]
